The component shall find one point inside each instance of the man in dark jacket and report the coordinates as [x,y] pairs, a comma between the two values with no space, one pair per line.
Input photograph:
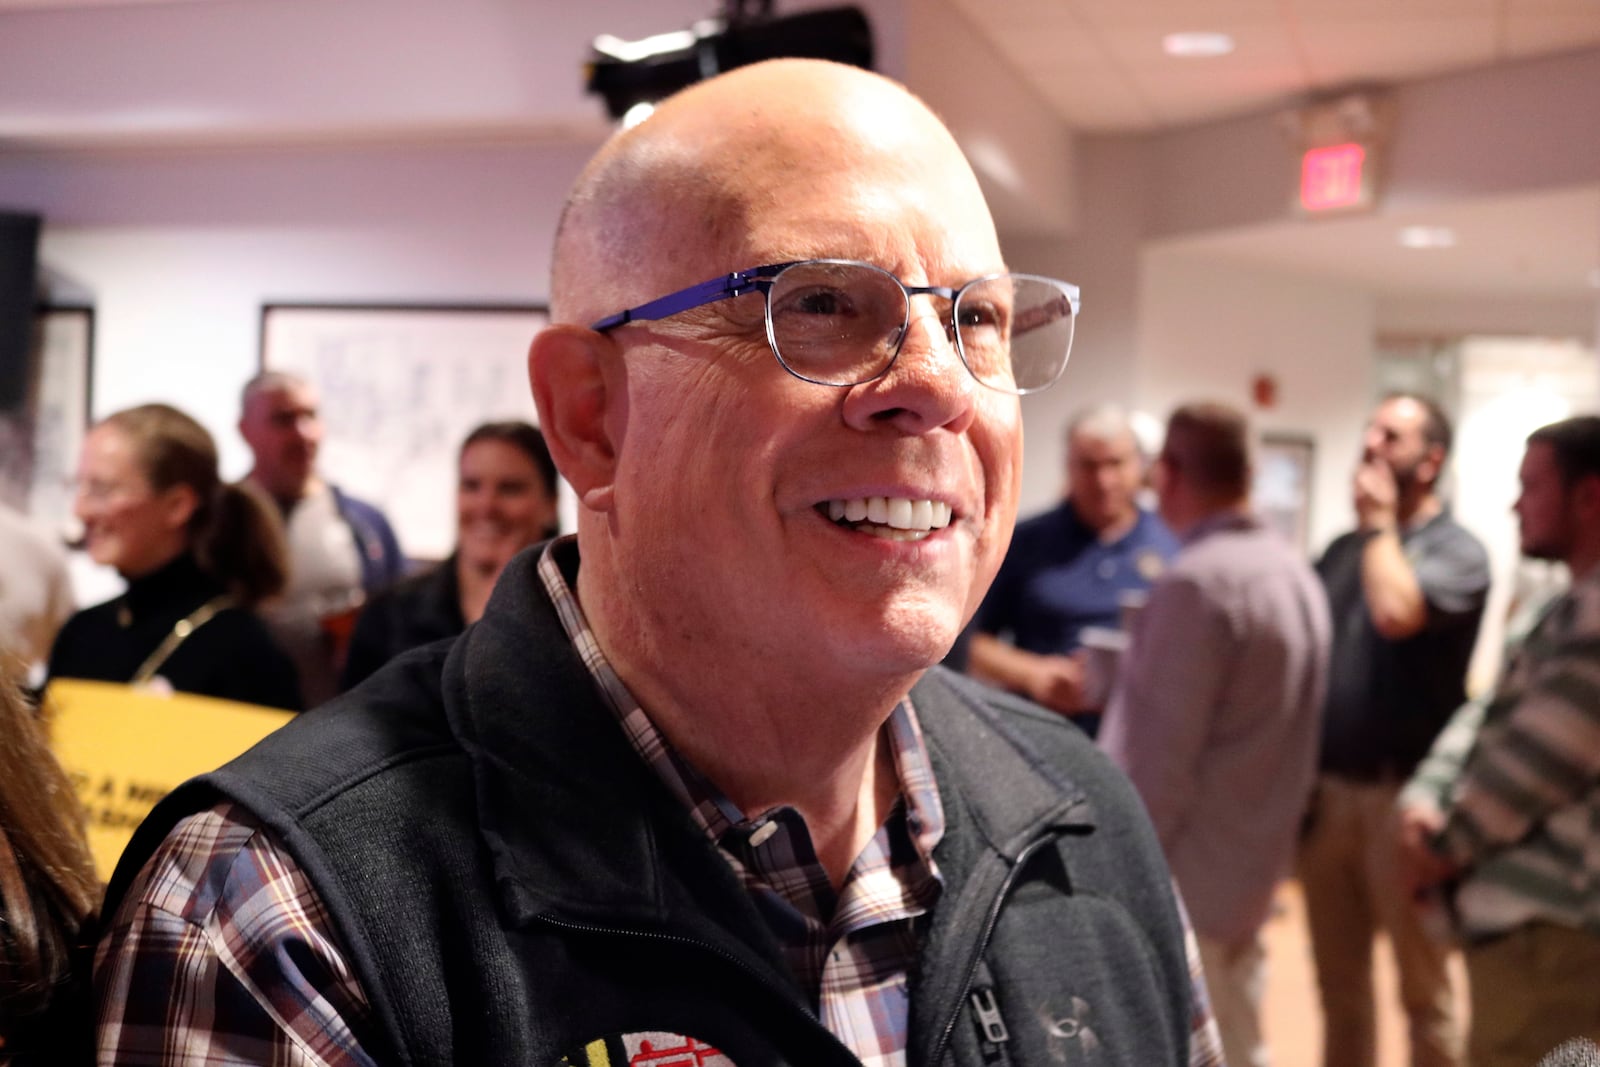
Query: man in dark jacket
[685,794]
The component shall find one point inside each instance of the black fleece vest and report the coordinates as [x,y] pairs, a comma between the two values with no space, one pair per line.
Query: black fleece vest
[512,885]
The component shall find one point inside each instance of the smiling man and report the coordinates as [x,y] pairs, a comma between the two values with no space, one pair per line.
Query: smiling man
[689,786]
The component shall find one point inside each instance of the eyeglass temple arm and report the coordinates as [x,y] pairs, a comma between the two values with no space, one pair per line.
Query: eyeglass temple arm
[725,287]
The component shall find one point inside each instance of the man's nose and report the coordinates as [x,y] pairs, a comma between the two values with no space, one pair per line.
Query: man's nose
[927,387]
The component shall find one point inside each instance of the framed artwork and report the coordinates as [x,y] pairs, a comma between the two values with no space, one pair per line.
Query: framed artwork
[401,385]
[1281,493]
[41,436]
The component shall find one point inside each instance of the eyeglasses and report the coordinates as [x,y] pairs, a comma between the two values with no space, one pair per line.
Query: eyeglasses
[841,323]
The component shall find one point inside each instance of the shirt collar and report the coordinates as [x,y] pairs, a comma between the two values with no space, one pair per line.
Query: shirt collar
[712,811]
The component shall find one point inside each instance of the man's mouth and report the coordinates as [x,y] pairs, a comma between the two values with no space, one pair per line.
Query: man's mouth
[895,518]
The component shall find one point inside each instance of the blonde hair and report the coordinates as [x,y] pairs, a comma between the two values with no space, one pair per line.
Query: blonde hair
[235,534]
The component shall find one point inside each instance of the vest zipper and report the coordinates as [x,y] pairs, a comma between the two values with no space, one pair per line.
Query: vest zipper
[991,919]
[781,992]
[992,1033]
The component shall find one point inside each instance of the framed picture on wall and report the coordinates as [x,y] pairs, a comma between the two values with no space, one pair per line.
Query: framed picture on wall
[42,434]
[401,386]
[1281,494]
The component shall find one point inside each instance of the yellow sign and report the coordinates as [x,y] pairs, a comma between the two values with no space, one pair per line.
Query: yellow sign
[126,748]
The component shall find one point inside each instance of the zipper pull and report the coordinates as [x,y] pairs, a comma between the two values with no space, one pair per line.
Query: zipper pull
[991,1027]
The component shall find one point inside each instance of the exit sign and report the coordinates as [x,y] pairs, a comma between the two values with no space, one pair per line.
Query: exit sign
[1335,178]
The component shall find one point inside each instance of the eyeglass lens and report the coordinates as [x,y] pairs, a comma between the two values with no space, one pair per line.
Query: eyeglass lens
[840,323]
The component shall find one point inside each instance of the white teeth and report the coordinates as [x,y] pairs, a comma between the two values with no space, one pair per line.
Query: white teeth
[896,513]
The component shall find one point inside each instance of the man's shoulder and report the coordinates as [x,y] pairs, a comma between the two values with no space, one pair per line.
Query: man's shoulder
[350,504]
[1443,535]
[1053,521]
[1253,552]
[1149,531]
[990,737]
[26,542]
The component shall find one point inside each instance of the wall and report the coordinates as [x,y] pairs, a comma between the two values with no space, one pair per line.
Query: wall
[1210,328]
[1102,258]
[179,251]
[1021,151]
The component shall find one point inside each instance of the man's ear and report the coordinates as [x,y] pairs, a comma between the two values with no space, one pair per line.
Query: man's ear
[1434,458]
[582,406]
[1585,497]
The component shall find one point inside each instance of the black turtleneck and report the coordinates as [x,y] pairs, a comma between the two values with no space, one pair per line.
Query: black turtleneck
[231,656]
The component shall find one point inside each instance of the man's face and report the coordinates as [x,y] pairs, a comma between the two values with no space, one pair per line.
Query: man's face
[730,465]
[1394,436]
[1544,513]
[283,429]
[1103,474]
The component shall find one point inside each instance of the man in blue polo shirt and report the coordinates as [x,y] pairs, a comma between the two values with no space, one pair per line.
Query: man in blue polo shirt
[1068,569]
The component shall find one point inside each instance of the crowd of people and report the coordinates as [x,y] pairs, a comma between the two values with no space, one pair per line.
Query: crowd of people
[690,779]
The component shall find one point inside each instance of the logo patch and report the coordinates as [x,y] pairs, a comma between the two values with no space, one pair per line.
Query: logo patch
[650,1048]
[1149,564]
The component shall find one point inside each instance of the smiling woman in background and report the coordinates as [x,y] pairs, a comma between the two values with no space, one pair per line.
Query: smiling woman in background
[505,501]
[198,555]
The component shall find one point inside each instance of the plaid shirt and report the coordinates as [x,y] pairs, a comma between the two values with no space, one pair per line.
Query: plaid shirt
[222,952]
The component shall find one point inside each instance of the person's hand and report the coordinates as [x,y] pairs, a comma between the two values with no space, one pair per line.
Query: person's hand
[1377,495]
[1057,683]
[1421,868]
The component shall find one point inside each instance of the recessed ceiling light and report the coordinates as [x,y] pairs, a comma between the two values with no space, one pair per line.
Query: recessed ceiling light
[1427,237]
[1197,45]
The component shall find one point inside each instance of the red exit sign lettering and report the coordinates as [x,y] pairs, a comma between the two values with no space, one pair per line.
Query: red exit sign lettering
[1331,178]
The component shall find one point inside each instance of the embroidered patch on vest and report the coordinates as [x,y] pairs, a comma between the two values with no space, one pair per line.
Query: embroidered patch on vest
[651,1048]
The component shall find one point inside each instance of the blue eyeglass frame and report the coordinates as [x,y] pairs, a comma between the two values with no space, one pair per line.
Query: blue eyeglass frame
[760,280]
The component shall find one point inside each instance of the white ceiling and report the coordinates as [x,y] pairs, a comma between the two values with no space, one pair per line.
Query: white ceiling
[1100,65]
[1534,246]
[68,74]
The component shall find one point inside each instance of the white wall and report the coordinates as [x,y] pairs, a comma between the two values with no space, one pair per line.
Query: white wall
[1102,258]
[1209,329]
[1020,149]
[1434,316]
[179,253]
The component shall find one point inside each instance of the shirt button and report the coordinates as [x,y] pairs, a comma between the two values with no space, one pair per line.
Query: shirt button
[763,834]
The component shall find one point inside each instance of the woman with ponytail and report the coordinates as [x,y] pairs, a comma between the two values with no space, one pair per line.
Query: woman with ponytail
[198,555]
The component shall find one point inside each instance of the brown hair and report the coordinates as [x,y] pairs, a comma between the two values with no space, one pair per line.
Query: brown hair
[526,438]
[48,890]
[235,534]
[1210,444]
[1575,444]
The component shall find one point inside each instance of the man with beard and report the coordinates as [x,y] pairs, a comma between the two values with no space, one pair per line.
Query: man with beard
[1506,809]
[1407,589]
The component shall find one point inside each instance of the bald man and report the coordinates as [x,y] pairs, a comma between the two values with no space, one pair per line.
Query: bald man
[689,791]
